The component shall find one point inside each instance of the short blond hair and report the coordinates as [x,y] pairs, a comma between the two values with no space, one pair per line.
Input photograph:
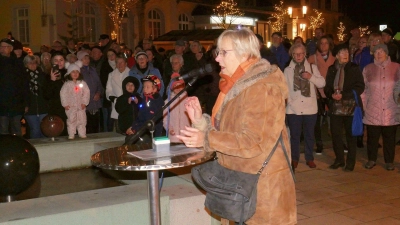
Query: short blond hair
[244,41]
[373,36]
[295,46]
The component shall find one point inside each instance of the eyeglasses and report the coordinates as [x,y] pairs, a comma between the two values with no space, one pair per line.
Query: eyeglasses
[299,54]
[221,52]
[362,42]
[376,41]
[7,46]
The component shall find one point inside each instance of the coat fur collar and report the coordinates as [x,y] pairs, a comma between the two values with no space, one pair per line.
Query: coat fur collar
[257,72]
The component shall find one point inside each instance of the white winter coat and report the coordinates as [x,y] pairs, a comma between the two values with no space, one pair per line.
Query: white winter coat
[74,94]
[296,103]
[114,87]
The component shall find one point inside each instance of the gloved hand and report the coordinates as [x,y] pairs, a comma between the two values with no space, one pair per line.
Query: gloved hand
[112,98]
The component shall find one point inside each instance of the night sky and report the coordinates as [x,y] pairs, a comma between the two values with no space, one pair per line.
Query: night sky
[373,12]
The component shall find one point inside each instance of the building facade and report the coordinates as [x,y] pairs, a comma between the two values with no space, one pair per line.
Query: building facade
[38,22]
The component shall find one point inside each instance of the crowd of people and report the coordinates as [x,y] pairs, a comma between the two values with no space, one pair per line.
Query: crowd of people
[254,93]
[102,88]
[324,78]
[109,87]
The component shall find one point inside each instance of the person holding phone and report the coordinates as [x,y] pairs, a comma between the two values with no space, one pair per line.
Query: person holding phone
[52,88]
[127,105]
[301,111]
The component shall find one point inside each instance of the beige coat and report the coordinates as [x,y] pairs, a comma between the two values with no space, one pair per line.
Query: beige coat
[252,118]
[178,117]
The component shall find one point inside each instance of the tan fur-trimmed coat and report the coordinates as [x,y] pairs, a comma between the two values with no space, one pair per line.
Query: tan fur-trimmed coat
[250,121]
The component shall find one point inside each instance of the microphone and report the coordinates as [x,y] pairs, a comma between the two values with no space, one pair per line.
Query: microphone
[199,72]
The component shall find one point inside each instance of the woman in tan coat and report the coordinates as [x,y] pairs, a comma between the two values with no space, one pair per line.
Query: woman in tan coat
[247,120]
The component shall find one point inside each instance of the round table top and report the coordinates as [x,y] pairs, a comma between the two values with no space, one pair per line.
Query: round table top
[117,158]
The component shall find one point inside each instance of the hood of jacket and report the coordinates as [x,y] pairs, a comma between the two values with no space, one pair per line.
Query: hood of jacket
[132,80]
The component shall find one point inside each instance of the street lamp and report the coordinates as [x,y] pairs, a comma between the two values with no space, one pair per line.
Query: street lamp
[302,27]
[296,17]
[290,12]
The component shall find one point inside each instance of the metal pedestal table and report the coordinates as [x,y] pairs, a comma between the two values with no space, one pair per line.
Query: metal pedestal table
[118,159]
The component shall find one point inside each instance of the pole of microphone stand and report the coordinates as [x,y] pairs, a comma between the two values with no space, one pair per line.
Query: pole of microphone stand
[150,124]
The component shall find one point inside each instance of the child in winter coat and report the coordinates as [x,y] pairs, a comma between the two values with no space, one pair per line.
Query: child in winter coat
[127,105]
[177,118]
[75,96]
[152,103]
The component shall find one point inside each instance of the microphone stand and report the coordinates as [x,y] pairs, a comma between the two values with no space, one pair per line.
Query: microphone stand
[150,124]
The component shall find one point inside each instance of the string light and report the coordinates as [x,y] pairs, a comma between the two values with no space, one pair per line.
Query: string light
[117,9]
[225,9]
[316,21]
[341,35]
[364,31]
[279,15]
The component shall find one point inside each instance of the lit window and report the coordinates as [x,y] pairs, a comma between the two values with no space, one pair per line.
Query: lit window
[183,22]
[23,25]
[154,22]
[86,22]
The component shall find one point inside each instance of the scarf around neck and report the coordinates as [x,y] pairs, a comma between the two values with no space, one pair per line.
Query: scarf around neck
[226,83]
[113,64]
[300,84]
[339,78]
[33,81]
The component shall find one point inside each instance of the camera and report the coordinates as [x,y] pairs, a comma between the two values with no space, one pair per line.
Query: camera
[133,98]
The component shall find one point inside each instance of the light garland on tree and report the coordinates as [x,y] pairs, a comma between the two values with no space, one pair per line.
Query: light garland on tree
[117,10]
[316,22]
[225,9]
[364,31]
[341,35]
[279,15]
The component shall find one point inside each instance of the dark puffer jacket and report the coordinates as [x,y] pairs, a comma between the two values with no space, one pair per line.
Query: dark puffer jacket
[127,113]
[14,88]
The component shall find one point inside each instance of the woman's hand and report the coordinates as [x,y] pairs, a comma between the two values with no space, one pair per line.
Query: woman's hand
[54,75]
[129,131]
[306,75]
[96,97]
[337,97]
[192,137]
[193,108]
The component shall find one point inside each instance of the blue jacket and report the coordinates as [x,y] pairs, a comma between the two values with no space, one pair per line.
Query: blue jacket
[92,79]
[364,58]
[281,55]
[151,70]
[147,110]
[311,45]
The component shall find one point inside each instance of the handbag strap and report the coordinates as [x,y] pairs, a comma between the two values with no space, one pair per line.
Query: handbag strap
[272,152]
[355,97]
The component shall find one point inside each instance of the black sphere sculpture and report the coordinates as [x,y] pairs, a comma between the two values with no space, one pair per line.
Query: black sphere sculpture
[19,165]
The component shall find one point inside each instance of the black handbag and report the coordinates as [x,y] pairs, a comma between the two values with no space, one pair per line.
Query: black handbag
[231,194]
[343,107]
